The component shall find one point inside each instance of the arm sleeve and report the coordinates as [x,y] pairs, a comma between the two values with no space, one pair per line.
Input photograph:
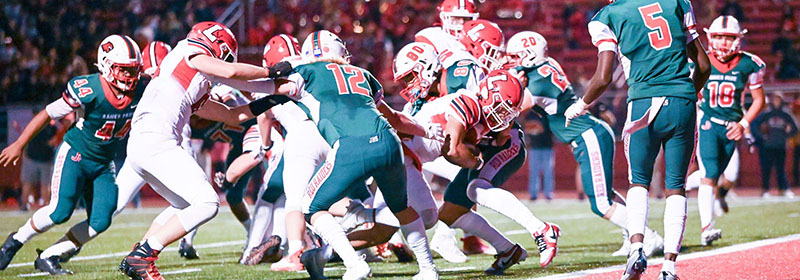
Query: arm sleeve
[465,109]
[59,109]
[194,48]
[689,23]
[602,36]
[260,85]
[252,140]
[756,79]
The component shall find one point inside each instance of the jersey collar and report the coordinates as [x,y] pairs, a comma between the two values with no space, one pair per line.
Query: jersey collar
[118,102]
[724,67]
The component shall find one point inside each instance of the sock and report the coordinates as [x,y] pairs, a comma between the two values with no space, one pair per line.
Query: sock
[155,244]
[61,247]
[620,216]
[674,223]
[505,203]
[189,237]
[479,226]
[246,224]
[668,266]
[636,246]
[38,223]
[705,205]
[418,241]
[693,180]
[397,238]
[262,217]
[294,246]
[637,210]
[327,227]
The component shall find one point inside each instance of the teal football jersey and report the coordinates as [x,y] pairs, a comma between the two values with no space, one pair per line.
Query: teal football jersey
[722,94]
[103,120]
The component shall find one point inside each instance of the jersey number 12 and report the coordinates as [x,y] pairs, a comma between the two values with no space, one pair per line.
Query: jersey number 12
[351,84]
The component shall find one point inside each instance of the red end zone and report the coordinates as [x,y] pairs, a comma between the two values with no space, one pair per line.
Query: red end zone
[777,258]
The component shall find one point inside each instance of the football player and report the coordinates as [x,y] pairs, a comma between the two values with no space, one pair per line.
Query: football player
[154,148]
[104,104]
[549,93]
[723,120]
[653,39]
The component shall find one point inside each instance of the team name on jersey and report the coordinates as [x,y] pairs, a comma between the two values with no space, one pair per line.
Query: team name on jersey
[117,116]
[729,78]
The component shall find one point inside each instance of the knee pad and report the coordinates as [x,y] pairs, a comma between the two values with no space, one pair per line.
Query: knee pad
[197,214]
[474,185]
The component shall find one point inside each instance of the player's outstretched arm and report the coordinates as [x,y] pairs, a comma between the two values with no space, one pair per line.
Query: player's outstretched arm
[702,67]
[455,150]
[13,152]
[215,111]
[403,123]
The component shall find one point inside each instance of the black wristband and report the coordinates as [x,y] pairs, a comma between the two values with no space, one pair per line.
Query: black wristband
[226,185]
[263,104]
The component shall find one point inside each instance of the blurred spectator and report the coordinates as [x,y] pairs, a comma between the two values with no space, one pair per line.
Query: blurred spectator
[794,142]
[732,8]
[541,159]
[783,46]
[771,129]
[37,164]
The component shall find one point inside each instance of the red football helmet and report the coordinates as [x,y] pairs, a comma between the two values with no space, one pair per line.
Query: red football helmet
[453,14]
[280,47]
[500,99]
[484,40]
[152,55]
[215,38]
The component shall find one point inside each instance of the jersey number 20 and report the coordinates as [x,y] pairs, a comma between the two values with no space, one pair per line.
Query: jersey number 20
[660,37]
[351,84]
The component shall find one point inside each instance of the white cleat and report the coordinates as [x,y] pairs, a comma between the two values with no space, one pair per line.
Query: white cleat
[445,244]
[623,251]
[428,274]
[653,243]
[710,235]
[357,272]
[788,194]
[547,241]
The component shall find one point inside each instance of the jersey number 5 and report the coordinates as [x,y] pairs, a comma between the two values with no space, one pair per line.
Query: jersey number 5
[660,37]
[354,77]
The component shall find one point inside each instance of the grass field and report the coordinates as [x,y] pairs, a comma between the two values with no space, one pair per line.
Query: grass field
[587,242]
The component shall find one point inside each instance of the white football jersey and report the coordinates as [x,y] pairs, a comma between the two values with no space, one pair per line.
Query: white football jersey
[462,106]
[449,49]
[177,91]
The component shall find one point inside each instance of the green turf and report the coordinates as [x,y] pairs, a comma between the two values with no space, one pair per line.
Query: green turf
[587,242]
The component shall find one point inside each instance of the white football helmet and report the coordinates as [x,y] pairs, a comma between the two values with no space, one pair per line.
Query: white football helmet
[421,61]
[454,13]
[119,61]
[724,26]
[323,44]
[527,48]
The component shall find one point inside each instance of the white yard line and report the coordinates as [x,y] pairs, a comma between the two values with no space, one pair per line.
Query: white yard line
[120,254]
[181,271]
[456,269]
[657,261]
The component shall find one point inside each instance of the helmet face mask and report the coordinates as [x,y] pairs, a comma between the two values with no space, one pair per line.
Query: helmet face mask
[126,76]
[499,116]
[414,87]
[416,67]
[725,37]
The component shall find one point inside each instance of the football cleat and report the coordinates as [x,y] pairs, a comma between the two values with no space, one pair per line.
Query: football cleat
[653,243]
[506,259]
[474,245]
[360,270]
[140,264]
[289,263]
[402,252]
[444,243]
[666,275]
[428,274]
[710,235]
[267,251]
[8,250]
[51,265]
[68,255]
[636,265]
[187,251]
[547,241]
[314,261]
[626,245]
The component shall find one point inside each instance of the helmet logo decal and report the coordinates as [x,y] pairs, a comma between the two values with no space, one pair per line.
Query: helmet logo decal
[107,47]
[473,33]
[211,32]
